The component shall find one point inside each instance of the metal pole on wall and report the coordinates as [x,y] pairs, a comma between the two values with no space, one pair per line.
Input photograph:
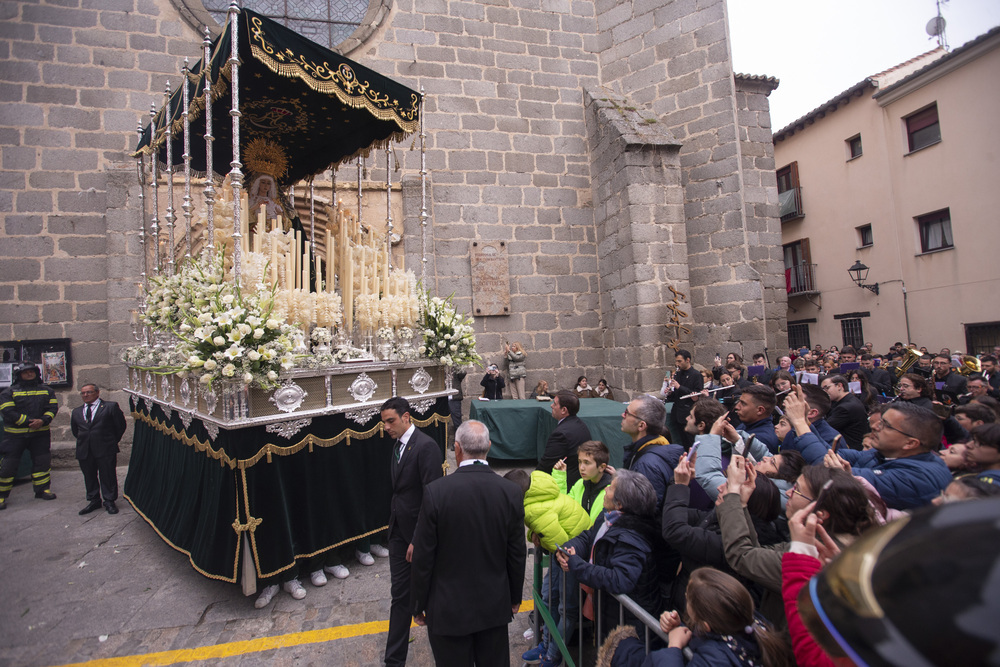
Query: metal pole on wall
[388,205]
[140,165]
[236,175]
[423,193]
[187,159]
[170,180]
[209,139]
[154,223]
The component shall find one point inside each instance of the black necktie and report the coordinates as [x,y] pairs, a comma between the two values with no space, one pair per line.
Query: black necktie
[399,450]
[90,414]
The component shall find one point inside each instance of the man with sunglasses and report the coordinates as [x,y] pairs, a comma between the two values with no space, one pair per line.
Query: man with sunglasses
[903,467]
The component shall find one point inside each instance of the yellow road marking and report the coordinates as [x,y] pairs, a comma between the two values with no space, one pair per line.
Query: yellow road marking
[230,649]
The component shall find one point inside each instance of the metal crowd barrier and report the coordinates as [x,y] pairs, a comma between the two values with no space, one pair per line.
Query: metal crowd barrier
[652,625]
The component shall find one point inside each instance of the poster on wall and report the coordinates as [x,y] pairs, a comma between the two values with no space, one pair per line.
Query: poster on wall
[51,355]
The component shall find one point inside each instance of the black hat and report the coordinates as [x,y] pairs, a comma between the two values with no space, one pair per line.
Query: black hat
[924,589]
[26,366]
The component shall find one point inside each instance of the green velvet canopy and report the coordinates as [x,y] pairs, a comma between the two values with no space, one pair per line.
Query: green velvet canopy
[303,107]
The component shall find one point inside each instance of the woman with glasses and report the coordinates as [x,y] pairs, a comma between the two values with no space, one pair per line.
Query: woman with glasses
[841,503]
[915,389]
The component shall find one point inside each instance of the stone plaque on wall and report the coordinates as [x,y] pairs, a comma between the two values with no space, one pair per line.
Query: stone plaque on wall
[490,278]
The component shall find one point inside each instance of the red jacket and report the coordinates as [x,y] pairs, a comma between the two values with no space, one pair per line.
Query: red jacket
[796,570]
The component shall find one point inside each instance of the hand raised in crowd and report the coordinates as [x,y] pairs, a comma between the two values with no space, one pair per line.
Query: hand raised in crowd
[797,410]
[683,471]
[722,428]
[559,465]
[834,460]
[802,525]
[669,620]
[678,637]
[828,549]
[563,559]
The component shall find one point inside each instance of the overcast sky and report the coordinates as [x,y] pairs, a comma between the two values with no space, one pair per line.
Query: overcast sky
[819,48]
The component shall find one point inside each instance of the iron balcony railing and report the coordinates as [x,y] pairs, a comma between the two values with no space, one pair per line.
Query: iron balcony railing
[801,279]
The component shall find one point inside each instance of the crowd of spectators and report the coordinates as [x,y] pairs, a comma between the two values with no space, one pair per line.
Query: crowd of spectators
[769,474]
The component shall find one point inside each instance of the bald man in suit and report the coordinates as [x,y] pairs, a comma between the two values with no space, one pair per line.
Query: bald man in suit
[468,558]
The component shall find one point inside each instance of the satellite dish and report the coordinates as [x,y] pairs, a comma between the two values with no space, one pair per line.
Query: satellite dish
[935,26]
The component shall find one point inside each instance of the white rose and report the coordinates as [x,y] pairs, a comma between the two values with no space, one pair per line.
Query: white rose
[273,324]
[272,376]
[207,378]
[228,299]
[229,370]
[422,350]
[247,378]
[258,334]
[441,344]
[254,355]
[195,362]
[453,348]
[219,340]
[210,365]
[185,327]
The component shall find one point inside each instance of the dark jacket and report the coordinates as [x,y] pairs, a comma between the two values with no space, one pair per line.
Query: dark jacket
[26,400]
[708,650]
[954,386]
[690,381]
[655,460]
[904,483]
[468,552]
[564,442]
[848,415]
[101,436]
[493,387]
[626,560]
[763,430]
[823,431]
[419,466]
[880,380]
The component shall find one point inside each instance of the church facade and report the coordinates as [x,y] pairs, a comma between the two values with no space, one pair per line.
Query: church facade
[628,170]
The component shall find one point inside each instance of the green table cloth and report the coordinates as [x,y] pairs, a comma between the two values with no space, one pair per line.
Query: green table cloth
[519,429]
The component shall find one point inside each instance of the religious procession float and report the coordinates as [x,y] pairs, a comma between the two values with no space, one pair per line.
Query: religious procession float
[266,344]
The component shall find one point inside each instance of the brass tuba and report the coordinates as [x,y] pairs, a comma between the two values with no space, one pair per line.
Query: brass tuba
[911,358]
[970,365]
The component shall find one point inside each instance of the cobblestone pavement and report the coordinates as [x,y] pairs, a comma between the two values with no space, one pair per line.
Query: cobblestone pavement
[82,588]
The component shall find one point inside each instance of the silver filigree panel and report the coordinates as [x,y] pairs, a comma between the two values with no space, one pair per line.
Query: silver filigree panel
[422,406]
[363,416]
[211,400]
[363,388]
[185,392]
[288,429]
[288,397]
[421,381]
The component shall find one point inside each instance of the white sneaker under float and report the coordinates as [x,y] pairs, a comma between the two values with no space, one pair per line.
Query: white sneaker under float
[294,588]
[364,558]
[339,571]
[379,551]
[318,578]
[266,596]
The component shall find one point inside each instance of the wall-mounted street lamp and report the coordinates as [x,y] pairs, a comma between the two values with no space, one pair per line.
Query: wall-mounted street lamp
[859,273]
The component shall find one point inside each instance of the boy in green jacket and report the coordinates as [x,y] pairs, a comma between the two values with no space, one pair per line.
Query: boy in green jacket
[589,493]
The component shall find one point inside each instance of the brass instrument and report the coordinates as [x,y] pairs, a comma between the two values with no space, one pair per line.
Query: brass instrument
[970,365]
[911,358]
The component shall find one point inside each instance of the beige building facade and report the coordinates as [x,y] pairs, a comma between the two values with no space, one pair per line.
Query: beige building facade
[899,172]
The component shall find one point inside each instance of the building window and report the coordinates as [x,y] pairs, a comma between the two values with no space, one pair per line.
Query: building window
[854,147]
[850,330]
[865,238]
[798,336]
[982,337]
[800,272]
[336,24]
[935,231]
[789,192]
[923,129]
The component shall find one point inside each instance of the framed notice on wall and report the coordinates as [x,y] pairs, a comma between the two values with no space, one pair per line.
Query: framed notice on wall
[51,355]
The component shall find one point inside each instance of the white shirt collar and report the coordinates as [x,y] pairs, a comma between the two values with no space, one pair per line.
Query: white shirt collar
[469,462]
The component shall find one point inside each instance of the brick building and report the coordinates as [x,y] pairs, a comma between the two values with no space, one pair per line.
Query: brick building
[610,144]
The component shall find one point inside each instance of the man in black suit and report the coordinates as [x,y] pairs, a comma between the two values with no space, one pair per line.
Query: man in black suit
[565,440]
[468,558]
[416,462]
[878,378]
[847,413]
[98,427]
[686,381]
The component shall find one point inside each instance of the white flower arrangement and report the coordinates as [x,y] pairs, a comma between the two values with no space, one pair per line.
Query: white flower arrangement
[223,331]
[447,336]
[321,335]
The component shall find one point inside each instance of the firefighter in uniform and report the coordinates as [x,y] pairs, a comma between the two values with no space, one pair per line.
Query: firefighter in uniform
[28,407]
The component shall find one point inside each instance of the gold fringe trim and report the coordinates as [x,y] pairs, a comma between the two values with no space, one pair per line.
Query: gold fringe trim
[342,82]
[187,553]
[271,449]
